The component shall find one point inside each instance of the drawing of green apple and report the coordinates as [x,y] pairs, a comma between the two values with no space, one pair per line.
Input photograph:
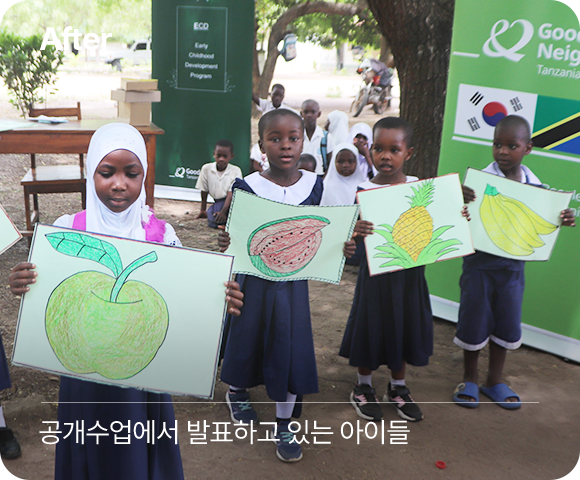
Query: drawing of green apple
[101,323]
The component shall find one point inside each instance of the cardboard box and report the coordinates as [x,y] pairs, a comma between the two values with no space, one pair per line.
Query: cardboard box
[138,84]
[137,113]
[136,96]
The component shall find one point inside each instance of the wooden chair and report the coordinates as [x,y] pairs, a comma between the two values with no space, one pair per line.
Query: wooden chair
[53,178]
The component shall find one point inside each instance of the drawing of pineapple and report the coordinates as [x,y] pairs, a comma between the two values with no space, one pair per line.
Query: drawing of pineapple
[413,230]
[412,241]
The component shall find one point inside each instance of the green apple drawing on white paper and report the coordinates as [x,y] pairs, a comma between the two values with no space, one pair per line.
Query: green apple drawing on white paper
[101,323]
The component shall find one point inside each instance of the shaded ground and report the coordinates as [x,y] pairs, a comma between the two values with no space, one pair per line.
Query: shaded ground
[540,441]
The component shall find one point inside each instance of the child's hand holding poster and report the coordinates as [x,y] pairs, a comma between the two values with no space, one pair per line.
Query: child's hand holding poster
[9,234]
[123,312]
[514,220]
[281,242]
[415,224]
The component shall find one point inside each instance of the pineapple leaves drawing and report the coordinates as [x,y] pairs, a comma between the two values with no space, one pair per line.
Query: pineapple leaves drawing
[411,241]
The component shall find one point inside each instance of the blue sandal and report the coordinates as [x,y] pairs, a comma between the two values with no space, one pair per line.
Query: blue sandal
[468,389]
[500,393]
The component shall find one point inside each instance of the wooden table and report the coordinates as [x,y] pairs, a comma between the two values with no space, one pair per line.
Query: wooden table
[74,137]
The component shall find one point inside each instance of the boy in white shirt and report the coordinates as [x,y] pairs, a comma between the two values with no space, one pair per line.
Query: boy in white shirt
[216,179]
[277,96]
[317,142]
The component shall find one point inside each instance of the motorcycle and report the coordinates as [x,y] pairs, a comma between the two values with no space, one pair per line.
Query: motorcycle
[375,88]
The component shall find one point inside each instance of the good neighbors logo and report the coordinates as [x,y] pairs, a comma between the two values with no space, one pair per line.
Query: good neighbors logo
[90,41]
[557,44]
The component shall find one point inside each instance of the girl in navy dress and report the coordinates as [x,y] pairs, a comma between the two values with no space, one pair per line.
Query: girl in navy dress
[116,170]
[9,446]
[270,343]
[390,322]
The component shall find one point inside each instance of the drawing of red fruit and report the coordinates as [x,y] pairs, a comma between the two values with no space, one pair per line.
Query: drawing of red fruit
[284,247]
[101,323]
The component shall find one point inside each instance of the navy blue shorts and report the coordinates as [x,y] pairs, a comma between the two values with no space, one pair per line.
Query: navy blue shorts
[491,308]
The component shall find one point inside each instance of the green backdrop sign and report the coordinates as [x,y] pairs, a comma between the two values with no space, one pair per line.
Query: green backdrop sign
[202,57]
[522,58]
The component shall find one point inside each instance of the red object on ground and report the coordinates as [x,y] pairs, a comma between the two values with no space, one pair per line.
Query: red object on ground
[440,464]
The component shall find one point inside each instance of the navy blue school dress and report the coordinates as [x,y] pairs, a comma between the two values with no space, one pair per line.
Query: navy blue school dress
[4,373]
[390,320]
[271,343]
[148,458]
[141,459]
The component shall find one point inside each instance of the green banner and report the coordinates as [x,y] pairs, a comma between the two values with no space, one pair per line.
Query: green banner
[520,58]
[202,57]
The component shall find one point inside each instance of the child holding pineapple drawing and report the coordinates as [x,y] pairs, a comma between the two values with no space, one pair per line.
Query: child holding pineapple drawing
[492,287]
[390,322]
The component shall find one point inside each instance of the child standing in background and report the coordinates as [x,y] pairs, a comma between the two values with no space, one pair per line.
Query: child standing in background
[317,142]
[492,287]
[390,322]
[337,126]
[361,135]
[116,170]
[271,342]
[276,102]
[307,162]
[216,179]
[343,177]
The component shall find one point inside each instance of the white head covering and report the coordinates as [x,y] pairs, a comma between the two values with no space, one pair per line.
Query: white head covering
[127,224]
[367,131]
[339,190]
[338,126]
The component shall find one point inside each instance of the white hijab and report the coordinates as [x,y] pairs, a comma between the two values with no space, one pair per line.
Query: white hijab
[339,190]
[126,224]
[338,126]
[367,131]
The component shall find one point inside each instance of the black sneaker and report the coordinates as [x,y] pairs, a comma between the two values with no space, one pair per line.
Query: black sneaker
[9,446]
[287,449]
[241,410]
[365,402]
[400,398]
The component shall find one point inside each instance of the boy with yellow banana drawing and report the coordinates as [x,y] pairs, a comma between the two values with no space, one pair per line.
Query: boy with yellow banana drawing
[492,287]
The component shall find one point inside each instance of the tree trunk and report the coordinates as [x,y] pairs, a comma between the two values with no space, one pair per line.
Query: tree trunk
[279,30]
[419,33]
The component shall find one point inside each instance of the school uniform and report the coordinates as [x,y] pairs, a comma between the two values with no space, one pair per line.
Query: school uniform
[271,343]
[217,184]
[390,320]
[266,106]
[492,293]
[4,372]
[83,403]
[313,146]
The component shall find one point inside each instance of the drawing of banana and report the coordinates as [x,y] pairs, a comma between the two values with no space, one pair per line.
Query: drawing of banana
[511,225]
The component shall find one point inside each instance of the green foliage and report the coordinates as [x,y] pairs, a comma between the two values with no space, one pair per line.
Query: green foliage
[26,69]
[127,20]
[320,29]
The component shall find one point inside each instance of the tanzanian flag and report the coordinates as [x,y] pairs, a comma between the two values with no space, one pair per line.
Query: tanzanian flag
[555,122]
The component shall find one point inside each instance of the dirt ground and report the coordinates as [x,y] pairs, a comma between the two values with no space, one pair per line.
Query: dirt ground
[539,441]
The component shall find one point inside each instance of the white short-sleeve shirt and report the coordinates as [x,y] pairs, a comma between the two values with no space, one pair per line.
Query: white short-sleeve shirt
[217,184]
[312,146]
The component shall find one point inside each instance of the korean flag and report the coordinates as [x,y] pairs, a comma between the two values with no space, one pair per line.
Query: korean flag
[479,109]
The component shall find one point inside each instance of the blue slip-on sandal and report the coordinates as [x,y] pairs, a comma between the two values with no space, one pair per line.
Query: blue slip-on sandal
[500,393]
[469,389]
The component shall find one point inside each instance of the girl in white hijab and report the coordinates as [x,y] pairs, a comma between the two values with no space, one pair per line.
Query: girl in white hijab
[116,168]
[340,189]
[361,135]
[337,126]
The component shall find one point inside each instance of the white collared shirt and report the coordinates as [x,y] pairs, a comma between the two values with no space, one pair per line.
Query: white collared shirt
[217,184]
[312,146]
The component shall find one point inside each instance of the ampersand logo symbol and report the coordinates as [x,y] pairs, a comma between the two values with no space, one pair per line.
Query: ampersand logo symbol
[180,172]
[492,47]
